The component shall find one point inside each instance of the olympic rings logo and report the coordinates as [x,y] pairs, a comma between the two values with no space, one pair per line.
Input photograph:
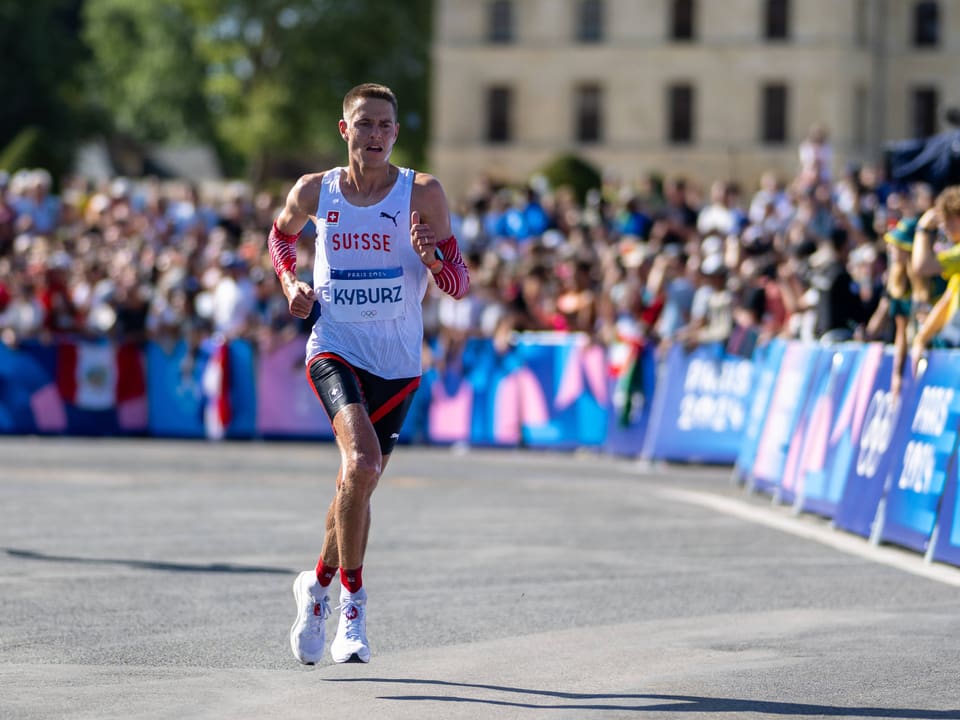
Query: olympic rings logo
[368,314]
[879,423]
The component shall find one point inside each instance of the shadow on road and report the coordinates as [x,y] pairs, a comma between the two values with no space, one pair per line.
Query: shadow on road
[151,564]
[652,702]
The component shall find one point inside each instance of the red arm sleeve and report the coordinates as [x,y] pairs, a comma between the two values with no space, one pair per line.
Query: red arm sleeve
[453,278]
[283,251]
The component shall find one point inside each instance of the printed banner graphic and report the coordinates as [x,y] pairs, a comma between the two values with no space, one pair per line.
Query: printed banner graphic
[786,404]
[918,474]
[874,438]
[702,415]
[853,376]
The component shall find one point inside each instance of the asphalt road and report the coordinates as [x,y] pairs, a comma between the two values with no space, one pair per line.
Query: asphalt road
[152,579]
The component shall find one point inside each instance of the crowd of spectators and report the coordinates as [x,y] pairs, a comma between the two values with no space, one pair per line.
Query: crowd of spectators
[135,261]
[808,257]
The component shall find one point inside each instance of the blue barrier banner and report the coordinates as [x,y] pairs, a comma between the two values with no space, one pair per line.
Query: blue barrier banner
[658,407]
[572,373]
[812,403]
[450,405]
[504,395]
[243,389]
[192,389]
[767,359]
[631,393]
[174,390]
[875,446]
[287,406]
[703,414]
[102,386]
[486,400]
[947,545]
[827,462]
[416,425]
[786,404]
[29,399]
[918,475]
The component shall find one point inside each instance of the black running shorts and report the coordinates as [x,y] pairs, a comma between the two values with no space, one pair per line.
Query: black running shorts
[338,384]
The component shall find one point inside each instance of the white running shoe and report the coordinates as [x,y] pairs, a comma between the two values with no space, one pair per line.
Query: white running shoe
[313,608]
[350,643]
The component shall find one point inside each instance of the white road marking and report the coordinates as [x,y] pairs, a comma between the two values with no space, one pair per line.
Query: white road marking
[894,557]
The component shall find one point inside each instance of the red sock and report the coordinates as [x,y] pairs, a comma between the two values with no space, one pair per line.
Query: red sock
[352,579]
[325,573]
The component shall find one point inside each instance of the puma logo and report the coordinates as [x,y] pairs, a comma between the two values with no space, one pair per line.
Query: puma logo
[392,218]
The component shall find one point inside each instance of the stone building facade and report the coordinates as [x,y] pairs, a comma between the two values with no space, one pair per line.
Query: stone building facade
[707,89]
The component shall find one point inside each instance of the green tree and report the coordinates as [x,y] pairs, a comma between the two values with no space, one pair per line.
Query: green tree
[43,106]
[574,172]
[263,78]
[277,70]
[146,74]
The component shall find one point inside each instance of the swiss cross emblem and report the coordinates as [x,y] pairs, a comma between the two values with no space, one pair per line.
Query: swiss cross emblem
[333,217]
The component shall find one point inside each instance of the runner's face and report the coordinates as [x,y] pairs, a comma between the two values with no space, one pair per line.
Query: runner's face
[370,129]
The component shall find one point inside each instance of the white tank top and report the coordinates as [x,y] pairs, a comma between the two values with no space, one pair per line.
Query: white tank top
[368,280]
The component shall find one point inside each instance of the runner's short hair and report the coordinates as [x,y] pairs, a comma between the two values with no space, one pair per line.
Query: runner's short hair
[369,90]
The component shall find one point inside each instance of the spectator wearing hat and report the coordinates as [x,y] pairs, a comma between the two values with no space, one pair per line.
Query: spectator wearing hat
[36,206]
[896,304]
[936,247]
[711,315]
[867,268]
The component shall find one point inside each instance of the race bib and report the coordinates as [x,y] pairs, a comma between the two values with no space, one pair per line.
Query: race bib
[363,295]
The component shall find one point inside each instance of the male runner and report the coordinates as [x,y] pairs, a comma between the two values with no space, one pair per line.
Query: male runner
[377,248]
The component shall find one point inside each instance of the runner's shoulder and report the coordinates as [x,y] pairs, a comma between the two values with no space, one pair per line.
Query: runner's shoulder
[305,194]
[427,190]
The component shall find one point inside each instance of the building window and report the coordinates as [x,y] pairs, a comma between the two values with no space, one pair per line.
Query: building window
[773,118]
[590,21]
[680,119]
[924,107]
[777,20]
[926,24]
[499,102]
[682,19]
[589,109]
[861,20]
[500,29]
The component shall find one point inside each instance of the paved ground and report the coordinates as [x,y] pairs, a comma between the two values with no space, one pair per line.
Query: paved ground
[148,579]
